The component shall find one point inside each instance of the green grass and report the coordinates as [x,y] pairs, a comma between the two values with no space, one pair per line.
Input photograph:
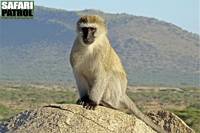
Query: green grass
[186,97]
[191,116]
[6,112]
[37,95]
[16,99]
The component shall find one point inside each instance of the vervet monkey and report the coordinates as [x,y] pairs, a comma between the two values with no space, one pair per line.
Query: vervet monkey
[100,76]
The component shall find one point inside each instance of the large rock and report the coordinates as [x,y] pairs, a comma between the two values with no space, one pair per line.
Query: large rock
[69,118]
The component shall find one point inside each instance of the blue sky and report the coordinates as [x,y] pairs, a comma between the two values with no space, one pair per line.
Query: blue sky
[183,13]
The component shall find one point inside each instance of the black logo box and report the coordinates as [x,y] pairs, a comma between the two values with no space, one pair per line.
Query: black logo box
[17,17]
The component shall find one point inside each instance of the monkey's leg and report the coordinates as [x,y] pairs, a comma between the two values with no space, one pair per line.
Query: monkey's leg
[133,108]
[113,93]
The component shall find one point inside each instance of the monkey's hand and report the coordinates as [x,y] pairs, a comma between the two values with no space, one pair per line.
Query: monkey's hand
[87,102]
[82,100]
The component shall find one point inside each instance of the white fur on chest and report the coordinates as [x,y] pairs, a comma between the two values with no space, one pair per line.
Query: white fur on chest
[86,60]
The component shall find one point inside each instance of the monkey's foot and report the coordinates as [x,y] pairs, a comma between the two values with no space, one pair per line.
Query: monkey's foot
[90,104]
[87,102]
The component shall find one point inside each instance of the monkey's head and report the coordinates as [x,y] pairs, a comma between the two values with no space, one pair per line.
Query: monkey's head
[89,28]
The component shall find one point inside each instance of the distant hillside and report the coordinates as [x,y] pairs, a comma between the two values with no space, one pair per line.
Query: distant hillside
[153,52]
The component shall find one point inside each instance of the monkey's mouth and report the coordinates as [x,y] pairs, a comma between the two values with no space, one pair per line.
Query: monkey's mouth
[88,41]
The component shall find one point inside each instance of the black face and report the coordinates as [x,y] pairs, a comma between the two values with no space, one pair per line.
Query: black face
[88,34]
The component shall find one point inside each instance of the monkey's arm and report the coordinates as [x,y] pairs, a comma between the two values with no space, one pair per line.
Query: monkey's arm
[99,86]
[82,84]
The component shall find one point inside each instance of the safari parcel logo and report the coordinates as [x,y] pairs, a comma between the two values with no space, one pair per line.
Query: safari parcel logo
[17,9]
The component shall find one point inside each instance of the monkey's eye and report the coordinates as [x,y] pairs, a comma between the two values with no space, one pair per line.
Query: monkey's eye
[84,29]
[87,29]
[92,29]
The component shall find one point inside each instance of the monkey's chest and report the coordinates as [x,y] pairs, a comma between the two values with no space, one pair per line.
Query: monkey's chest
[87,70]
[86,65]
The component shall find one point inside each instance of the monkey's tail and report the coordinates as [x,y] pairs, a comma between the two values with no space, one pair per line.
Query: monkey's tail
[133,108]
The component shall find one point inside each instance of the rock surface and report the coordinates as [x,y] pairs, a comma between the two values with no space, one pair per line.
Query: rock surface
[69,118]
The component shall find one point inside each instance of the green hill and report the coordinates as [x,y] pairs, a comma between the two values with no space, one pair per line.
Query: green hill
[153,52]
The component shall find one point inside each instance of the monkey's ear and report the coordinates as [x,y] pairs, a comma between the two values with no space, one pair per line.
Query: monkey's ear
[83,19]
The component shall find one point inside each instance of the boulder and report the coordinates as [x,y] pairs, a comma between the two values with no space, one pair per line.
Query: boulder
[70,118]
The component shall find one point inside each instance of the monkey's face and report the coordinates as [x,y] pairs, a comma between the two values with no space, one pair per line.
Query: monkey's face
[88,34]
[90,28]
